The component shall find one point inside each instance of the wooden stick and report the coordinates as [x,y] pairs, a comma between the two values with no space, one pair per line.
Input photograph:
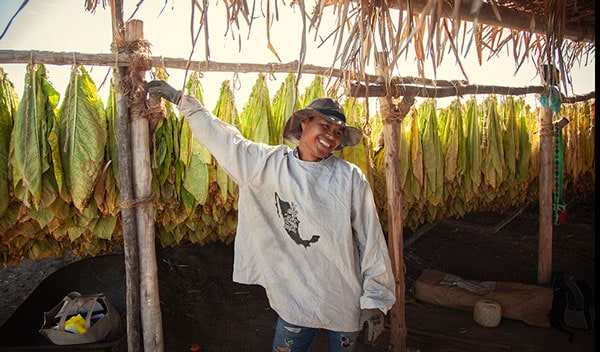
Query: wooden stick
[546,181]
[423,230]
[151,316]
[123,60]
[508,219]
[459,339]
[391,128]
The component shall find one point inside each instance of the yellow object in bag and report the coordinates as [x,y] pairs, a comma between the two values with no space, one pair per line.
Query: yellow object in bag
[75,324]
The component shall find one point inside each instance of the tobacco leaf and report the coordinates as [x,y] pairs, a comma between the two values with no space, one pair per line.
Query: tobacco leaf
[8,109]
[30,152]
[83,136]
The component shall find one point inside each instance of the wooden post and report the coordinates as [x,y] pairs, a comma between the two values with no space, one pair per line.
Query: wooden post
[545,195]
[130,243]
[391,125]
[140,143]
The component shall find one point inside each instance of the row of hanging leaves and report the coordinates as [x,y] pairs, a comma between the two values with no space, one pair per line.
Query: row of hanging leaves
[59,183]
[471,157]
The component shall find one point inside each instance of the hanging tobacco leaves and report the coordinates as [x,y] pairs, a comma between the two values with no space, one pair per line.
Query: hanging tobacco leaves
[106,191]
[282,106]
[8,109]
[433,166]
[83,136]
[493,151]
[227,112]
[473,176]
[195,179]
[256,118]
[33,136]
[314,90]
[357,155]
[482,155]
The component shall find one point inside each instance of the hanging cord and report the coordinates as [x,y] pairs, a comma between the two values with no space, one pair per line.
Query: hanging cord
[194,41]
[558,206]
[135,202]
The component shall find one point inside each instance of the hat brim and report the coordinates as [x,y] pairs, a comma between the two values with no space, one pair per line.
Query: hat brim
[292,130]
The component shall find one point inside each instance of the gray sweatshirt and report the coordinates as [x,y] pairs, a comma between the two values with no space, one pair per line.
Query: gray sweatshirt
[308,232]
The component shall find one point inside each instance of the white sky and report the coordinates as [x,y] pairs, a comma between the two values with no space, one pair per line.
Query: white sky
[65,26]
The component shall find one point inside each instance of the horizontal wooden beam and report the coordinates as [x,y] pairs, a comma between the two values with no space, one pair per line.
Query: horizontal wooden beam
[399,90]
[122,60]
[414,86]
[509,18]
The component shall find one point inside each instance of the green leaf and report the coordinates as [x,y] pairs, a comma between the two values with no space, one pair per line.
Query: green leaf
[83,136]
[226,111]
[314,90]
[105,227]
[194,87]
[255,119]
[282,107]
[29,149]
[112,147]
[8,109]
[196,180]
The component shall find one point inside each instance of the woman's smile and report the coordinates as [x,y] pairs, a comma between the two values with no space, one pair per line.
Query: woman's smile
[319,138]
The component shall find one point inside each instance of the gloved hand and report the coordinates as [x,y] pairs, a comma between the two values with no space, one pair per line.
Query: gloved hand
[374,323]
[163,89]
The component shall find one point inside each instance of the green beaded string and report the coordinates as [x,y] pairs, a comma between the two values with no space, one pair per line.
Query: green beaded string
[558,205]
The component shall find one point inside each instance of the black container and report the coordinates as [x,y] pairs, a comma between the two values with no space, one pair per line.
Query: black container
[101,274]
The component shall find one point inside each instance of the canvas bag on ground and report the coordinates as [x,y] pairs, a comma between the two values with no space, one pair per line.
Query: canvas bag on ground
[101,319]
[528,303]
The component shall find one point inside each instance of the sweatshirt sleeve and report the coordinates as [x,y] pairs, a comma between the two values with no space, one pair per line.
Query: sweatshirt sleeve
[240,157]
[375,264]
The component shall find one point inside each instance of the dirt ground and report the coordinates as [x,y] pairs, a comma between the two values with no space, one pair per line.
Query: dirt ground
[200,304]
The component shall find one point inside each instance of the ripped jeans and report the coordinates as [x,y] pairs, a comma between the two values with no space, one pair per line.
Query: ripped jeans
[294,338]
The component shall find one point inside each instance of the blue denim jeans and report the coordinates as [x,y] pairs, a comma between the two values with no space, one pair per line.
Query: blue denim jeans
[290,337]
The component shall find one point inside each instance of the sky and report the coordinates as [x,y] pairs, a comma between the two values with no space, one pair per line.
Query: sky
[65,26]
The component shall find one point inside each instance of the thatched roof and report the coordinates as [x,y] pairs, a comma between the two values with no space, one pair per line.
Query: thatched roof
[560,32]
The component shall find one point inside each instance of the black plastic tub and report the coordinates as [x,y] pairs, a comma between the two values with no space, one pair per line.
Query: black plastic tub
[102,274]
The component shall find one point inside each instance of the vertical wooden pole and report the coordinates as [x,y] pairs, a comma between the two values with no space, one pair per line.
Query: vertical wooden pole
[130,243]
[545,196]
[391,125]
[142,172]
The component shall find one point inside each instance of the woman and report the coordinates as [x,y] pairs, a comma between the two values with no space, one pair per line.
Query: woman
[308,230]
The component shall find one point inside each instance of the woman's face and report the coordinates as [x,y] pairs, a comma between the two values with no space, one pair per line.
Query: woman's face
[319,138]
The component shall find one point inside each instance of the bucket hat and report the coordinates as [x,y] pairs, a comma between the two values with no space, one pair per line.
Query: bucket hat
[327,108]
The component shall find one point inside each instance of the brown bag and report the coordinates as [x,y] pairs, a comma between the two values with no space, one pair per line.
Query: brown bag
[102,320]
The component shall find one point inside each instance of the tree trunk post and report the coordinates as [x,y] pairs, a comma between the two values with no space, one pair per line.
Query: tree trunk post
[545,195]
[130,243]
[140,144]
[391,127]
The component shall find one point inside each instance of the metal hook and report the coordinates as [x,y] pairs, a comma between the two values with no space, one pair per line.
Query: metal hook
[272,73]
[200,73]
[236,83]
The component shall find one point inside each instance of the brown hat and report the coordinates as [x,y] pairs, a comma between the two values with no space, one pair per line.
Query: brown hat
[330,110]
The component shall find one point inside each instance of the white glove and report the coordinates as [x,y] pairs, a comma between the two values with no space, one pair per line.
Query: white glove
[374,323]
